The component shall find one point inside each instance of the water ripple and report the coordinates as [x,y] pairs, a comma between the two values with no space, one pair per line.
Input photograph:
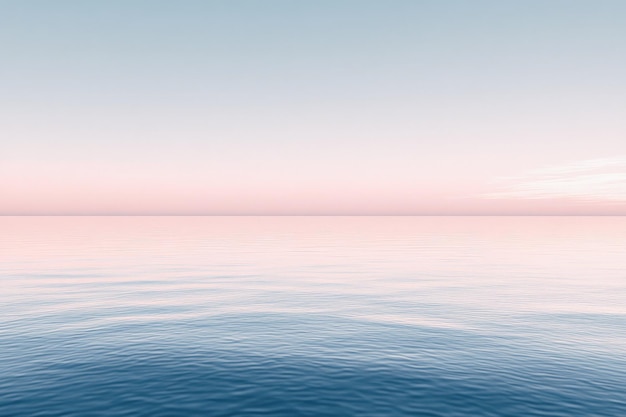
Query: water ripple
[313,317]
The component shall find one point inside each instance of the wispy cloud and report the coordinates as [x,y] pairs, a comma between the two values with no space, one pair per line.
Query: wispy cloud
[591,180]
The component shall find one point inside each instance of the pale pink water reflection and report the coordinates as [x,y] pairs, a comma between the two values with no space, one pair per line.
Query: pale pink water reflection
[483,269]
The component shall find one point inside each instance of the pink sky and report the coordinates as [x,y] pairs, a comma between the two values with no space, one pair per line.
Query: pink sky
[592,188]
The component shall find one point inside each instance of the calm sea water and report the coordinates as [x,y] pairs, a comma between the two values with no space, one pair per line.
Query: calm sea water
[313,316]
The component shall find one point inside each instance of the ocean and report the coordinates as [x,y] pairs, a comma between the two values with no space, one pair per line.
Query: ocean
[313,316]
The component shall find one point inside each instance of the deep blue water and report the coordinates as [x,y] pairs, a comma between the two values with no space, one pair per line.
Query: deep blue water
[313,316]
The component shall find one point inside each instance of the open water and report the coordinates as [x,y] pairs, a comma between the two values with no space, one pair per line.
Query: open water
[313,316]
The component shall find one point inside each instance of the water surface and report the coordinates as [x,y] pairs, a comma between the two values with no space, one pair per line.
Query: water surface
[313,316]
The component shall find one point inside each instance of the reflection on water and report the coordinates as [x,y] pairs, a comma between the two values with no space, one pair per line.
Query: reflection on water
[313,316]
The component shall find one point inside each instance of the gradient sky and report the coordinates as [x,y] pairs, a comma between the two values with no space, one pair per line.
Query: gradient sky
[313,107]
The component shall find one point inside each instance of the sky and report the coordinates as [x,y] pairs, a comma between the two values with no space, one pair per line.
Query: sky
[325,107]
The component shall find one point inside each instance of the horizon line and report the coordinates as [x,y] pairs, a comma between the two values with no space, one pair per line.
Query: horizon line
[313,215]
